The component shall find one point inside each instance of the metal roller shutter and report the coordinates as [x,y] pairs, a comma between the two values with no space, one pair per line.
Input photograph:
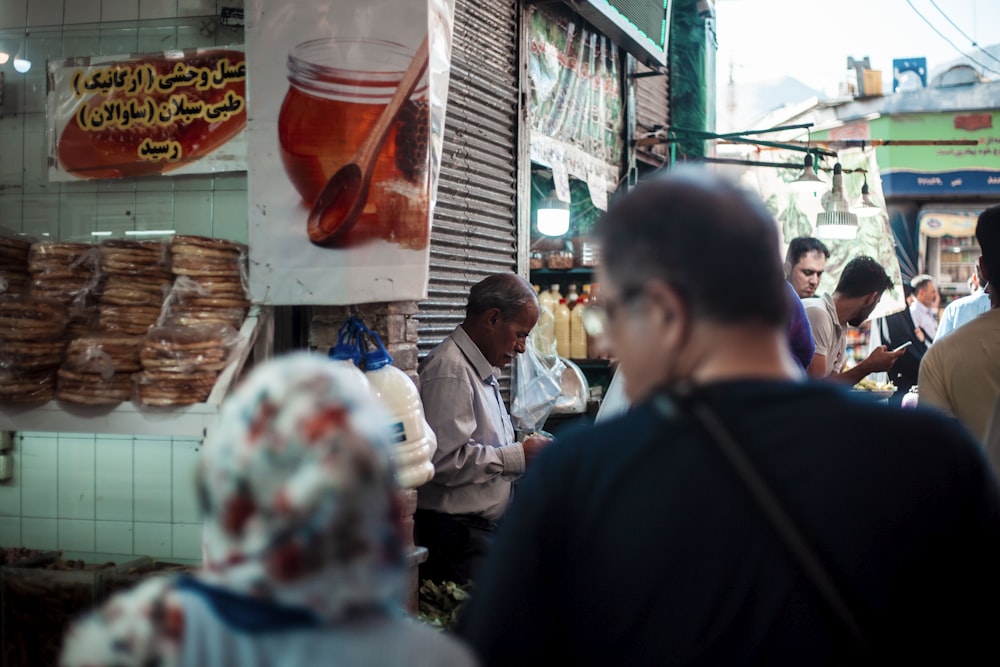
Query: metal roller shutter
[652,101]
[475,219]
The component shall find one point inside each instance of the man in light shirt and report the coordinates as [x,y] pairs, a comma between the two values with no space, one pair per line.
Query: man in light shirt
[968,308]
[858,291]
[477,457]
[924,309]
[960,374]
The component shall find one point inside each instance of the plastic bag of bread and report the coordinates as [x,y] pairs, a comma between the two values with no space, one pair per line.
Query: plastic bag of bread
[121,290]
[93,388]
[28,355]
[127,320]
[14,249]
[157,388]
[189,349]
[61,257]
[66,272]
[104,355]
[29,318]
[191,303]
[204,257]
[27,386]
[135,258]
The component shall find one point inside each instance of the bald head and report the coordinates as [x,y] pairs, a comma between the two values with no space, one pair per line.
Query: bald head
[714,243]
[507,292]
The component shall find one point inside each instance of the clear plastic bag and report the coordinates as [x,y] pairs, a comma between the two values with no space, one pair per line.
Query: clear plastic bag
[537,385]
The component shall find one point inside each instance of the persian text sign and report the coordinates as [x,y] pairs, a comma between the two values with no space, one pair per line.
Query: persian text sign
[115,117]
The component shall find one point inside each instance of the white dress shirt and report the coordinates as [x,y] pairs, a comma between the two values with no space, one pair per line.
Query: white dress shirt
[925,318]
[477,458]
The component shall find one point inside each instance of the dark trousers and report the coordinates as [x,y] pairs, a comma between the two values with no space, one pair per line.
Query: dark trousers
[457,544]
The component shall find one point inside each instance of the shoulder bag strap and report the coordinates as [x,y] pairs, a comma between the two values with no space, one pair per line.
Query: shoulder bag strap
[775,512]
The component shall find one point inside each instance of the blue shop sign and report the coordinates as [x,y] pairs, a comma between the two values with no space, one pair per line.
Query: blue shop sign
[966,182]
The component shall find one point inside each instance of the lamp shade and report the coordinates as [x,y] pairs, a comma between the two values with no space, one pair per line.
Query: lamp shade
[552,216]
[836,221]
[808,181]
[866,206]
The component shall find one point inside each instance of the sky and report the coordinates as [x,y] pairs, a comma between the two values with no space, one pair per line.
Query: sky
[811,40]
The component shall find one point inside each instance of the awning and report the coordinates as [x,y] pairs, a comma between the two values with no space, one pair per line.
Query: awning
[938,221]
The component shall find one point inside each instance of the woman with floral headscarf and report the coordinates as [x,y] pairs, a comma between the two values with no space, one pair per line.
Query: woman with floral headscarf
[303,563]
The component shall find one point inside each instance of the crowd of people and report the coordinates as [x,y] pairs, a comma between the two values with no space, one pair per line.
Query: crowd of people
[744,506]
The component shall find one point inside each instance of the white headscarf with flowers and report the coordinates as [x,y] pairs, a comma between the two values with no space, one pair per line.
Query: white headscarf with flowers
[299,505]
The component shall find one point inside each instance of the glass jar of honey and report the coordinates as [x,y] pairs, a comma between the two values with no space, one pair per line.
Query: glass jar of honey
[338,88]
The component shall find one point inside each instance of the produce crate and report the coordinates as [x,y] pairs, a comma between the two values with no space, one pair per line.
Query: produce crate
[40,602]
[20,557]
[131,574]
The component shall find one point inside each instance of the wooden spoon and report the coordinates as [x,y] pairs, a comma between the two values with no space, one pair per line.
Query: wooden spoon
[344,196]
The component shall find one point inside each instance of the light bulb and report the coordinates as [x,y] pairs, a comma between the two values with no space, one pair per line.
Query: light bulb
[22,65]
[553,221]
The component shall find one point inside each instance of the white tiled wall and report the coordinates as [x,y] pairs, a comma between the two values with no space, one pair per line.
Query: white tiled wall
[103,497]
[41,13]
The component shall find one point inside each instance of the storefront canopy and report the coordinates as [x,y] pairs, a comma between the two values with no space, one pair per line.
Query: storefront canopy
[938,221]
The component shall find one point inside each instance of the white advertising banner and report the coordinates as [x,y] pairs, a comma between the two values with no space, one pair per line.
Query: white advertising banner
[346,121]
[177,112]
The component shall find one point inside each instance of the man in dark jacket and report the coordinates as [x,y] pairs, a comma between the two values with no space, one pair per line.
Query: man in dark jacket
[640,542]
[898,329]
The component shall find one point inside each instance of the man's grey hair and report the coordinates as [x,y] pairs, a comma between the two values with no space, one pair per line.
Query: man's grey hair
[508,292]
[921,281]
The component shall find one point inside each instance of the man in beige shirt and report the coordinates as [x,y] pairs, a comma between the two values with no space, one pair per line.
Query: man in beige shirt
[477,457]
[960,373]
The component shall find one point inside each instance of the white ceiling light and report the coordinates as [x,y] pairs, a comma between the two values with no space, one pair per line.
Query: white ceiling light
[836,221]
[866,206]
[808,181]
[552,217]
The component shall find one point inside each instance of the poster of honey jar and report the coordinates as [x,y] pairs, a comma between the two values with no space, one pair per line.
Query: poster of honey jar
[345,127]
[338,92]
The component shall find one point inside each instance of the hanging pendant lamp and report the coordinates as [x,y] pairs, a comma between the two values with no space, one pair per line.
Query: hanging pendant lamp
[836,221]
[808,181]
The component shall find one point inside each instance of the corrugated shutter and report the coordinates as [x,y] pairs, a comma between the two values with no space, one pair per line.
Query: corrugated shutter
[475,220]
[652,102]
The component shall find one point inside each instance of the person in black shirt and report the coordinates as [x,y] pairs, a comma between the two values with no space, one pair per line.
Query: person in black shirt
[635,542]
[898,329]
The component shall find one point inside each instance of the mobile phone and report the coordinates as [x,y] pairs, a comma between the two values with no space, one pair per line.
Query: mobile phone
[903,346]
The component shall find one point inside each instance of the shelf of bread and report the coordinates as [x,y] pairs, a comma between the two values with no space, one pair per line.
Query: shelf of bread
[132,337]
[131,418]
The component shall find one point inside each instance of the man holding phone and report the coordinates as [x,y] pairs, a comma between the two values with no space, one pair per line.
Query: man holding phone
[896,331]
[861,285]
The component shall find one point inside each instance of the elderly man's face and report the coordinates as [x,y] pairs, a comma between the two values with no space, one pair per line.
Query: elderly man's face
[509,336]
[928,295]
[806,273]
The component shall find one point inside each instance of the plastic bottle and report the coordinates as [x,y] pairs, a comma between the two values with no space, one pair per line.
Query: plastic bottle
[555,295]
[562,317]
[577,333]
[414,440]
[543,336]
[572,297]
[545,300]
[594,347]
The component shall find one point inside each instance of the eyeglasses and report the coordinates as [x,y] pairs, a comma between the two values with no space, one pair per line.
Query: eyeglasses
[597,318]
